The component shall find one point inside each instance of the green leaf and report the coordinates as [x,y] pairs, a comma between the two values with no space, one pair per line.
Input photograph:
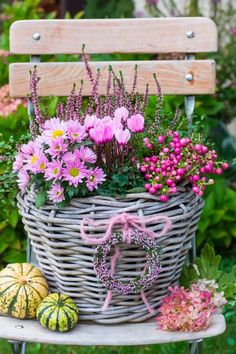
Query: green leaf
[14,256]
[208,263]
[40,199]
[14,217]
[217,216]
[209,204]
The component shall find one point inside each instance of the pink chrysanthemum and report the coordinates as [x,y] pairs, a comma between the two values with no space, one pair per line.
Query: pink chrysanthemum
[74,172]
[56,193]
[18,163]
[54,128]
[57,147]
[53,171]
[36,162]
[94,177]
[76,132]
[23,180]
[85,154]
[187,310]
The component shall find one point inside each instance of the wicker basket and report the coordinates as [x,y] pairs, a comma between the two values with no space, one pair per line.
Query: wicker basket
[67,261]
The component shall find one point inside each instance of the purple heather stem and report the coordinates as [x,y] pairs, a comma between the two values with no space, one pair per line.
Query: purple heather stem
[60,111]
[135,79]
[70,105]
[79,100]
[146,98]
[108,97]
[86,63]
[176,118]
[159,102]
[34,79]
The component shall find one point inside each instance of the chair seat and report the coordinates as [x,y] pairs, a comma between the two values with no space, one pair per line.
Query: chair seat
[96,334]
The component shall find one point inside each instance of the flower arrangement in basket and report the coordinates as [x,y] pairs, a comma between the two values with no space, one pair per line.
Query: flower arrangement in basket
[112,177]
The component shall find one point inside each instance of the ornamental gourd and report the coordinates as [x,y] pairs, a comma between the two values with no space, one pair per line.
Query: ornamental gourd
[22,288]
[58,312]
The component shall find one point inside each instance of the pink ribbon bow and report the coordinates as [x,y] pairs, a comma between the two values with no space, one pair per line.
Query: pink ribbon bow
[127,222]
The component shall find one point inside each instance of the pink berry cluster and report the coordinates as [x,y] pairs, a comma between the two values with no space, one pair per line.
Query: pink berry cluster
[178,160]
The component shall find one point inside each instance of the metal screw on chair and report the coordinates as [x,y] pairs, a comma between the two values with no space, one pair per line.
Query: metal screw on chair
[19,326]
[36,36]
[190,34]
[189,77]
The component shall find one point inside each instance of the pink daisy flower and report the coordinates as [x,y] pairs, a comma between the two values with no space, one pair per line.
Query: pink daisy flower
[94,177]
[54,128]
[85,154]
[53,171]
[74,172]
[57,147]
[36,162]
[76,132]
[18,163]
[23,180]
[28,149]
[56,193]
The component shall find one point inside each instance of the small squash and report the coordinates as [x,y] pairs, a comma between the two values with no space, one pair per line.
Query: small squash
[58,312]
[22,288]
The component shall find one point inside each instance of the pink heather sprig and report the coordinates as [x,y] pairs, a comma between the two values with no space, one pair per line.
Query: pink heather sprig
[187,310]
[179,160]
[34,79]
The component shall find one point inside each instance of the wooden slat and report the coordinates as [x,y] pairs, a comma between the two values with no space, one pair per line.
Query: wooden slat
[98,334]
[149,35]
[57,78]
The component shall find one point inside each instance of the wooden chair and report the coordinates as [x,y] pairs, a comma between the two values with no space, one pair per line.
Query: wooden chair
[187,77]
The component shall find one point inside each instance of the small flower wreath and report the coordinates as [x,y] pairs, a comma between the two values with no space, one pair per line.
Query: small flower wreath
[151,270]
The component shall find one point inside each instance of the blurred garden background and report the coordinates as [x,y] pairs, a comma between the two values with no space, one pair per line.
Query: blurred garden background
[217,113]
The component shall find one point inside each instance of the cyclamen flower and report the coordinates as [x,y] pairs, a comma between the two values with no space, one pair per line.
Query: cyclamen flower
[121,114]
[94,177]
[74,172]
[89,121]
[56,193]
[53,171]
[136,123]
[102,133]
[57,147]
[23,180]
[85,154]
[54,128]
[122,136]
[76,132]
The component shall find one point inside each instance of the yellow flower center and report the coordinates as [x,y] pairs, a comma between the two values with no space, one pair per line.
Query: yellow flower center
[55,171]
[74,172]
[57,133]
[33,159]
[42,166]
[58,193]
[92,178]
[75,135]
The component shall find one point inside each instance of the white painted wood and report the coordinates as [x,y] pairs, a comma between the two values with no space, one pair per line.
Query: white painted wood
[146,35]
[97,334]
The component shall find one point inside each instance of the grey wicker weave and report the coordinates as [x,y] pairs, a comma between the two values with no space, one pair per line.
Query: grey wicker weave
[67,261]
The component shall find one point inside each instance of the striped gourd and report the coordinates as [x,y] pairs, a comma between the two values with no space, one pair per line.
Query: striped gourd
[58,312]
[22,288]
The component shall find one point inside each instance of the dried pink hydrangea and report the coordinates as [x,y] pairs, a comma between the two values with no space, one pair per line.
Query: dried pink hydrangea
[186,310]
[8,105]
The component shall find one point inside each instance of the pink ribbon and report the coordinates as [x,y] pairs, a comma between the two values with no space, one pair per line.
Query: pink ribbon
[127,222]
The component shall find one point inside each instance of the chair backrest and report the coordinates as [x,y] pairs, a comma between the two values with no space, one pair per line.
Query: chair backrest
[150,35]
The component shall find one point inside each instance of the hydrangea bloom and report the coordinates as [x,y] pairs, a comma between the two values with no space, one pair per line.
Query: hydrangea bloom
[187,310]
[8,104]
